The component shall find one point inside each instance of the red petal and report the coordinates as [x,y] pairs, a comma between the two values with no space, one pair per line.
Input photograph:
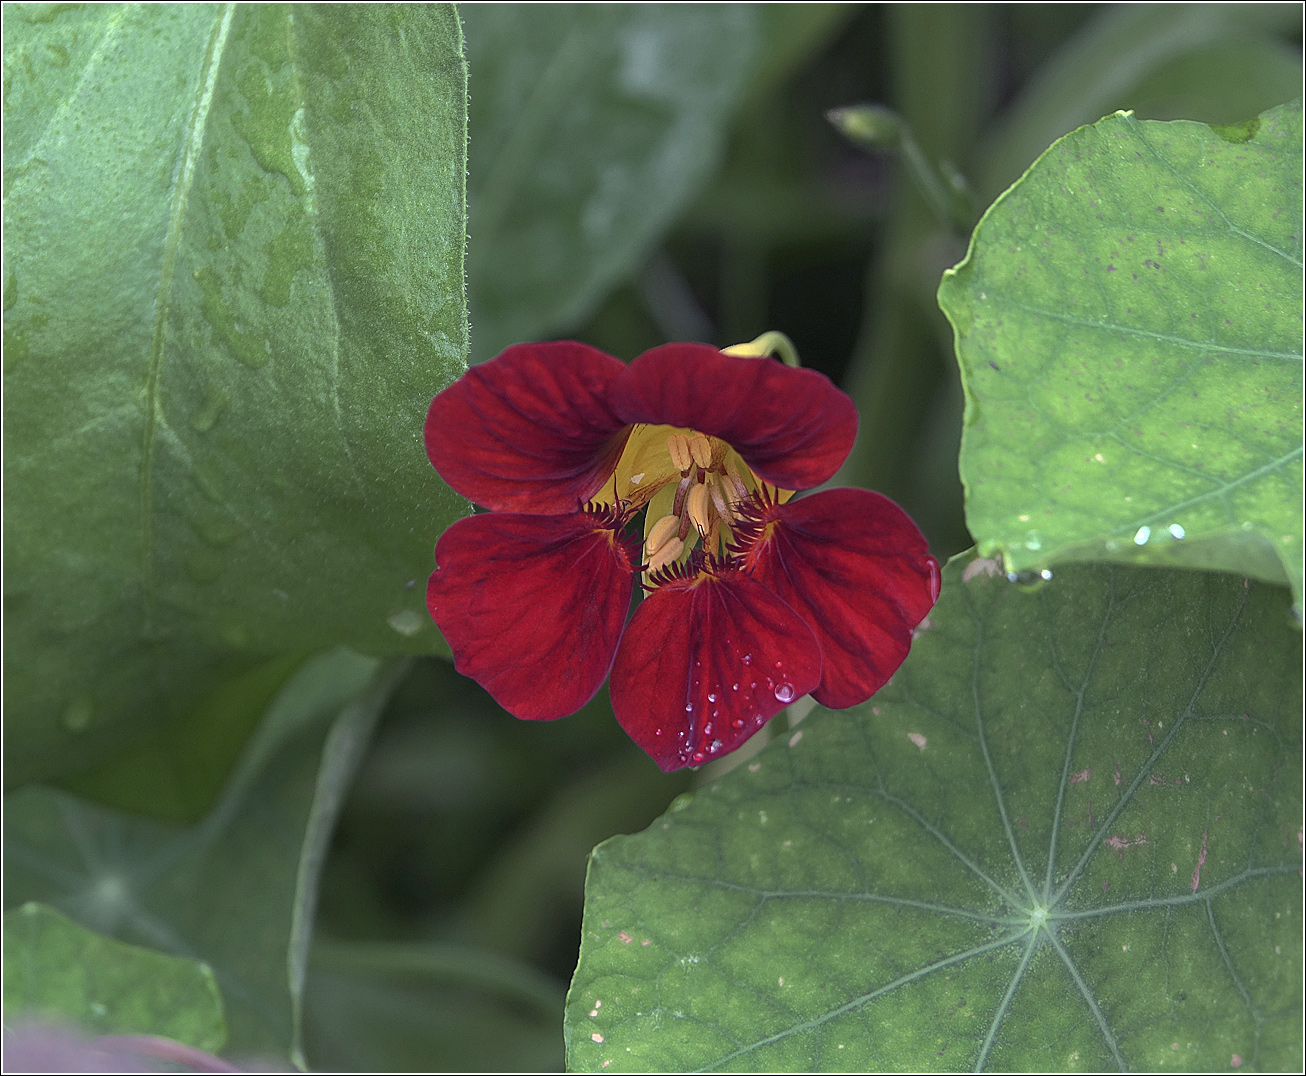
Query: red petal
[706,662]
[793,427]
[853,564]
[532,606]
[529,431]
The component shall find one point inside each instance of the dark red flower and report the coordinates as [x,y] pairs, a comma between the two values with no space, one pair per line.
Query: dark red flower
[754,599]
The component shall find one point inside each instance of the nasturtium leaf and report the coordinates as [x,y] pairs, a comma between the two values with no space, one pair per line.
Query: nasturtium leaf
[178,773]
[60,972]
[233,282]
[1129,327]
[594,125]
[1067,835]
[238,889]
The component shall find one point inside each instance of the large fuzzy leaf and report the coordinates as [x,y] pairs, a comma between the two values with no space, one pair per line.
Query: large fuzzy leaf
[1129,327]
[233,282]
[1066,836]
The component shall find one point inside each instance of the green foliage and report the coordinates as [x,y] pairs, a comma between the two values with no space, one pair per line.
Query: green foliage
[396,1007]
[234,281]
[58,970]
[1214,62]
[1128,323]
[1066,836]
[594,125]
[237,890]
[234,274]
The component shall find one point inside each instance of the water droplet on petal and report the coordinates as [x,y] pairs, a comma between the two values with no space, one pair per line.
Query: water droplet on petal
[1144,533]
[707,729]
[785,693]
[711,696]
[935,578]
[748,658]
[737,723]
[734,687]
[716,745]
[689,707]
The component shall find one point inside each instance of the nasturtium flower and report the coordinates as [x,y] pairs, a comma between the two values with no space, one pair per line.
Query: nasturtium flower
[754,597]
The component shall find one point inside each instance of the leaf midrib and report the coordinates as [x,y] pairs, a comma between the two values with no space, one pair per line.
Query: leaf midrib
[192,143]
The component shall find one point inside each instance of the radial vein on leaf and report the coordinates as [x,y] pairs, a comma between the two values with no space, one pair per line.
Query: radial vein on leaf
[1228,487]
[765,895]
[1089,999]
[193,143]
[1198,192]
[988,759]
[1001,1011]
[858,1002]
[1152,903]
[939,836]
[1257,1019]
[1073,734]
[1147,768]
[1150,334]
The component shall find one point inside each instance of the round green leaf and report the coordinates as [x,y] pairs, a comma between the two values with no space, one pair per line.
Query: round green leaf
[62,972]
[1128,324]
[1065,836]
[233,282]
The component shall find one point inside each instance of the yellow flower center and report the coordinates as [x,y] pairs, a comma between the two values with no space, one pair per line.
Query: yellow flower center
[692,486]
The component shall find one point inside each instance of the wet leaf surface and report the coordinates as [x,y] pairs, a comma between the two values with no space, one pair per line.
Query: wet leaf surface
[1065,836]
[233,282]
[1128,323]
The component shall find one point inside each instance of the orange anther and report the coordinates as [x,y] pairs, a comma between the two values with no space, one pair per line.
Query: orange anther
[701,449]
[681,455]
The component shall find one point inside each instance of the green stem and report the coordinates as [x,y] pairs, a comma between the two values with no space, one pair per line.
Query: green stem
[899,370]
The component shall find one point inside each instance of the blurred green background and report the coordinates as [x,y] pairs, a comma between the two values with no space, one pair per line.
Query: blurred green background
[450,907]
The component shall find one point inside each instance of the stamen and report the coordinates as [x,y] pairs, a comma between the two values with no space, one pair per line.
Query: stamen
[736,479]
[701,449]
[719,498]
[659,534]
[697,506]
[681,454]
[666,554]
[678,505]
